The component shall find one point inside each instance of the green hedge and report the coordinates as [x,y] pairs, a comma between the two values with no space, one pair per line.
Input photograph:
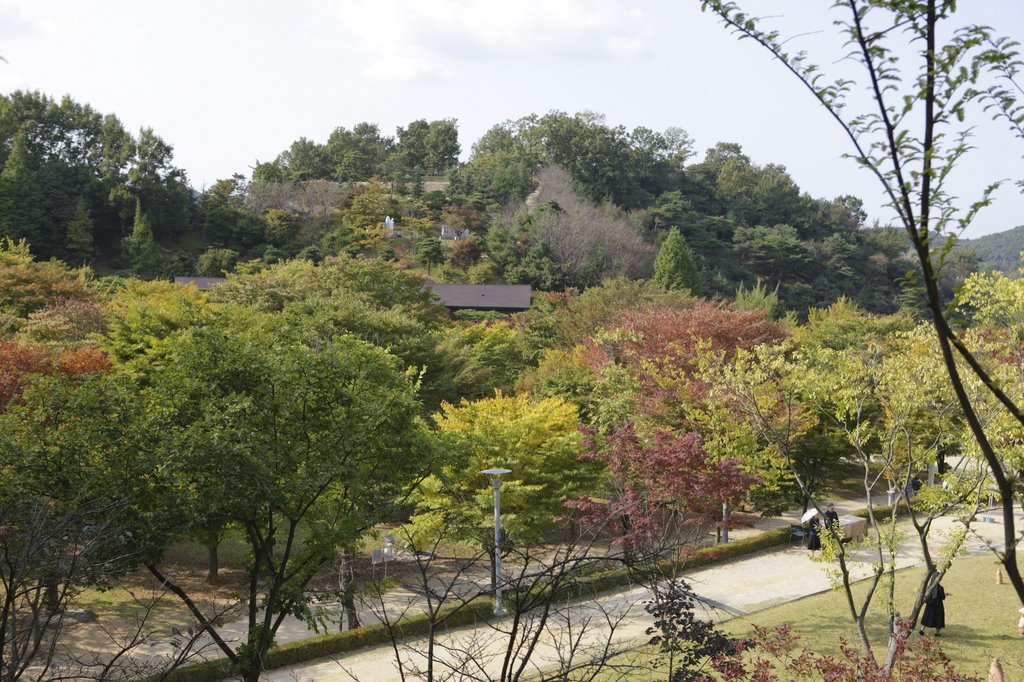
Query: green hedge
[309,649]
[707,556]
[210,671]
[475,611]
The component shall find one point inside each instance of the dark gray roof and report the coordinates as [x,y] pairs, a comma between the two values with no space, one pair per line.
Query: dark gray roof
[200,282]
[501,297]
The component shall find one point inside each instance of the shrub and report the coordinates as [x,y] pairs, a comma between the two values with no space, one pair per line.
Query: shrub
[312,648]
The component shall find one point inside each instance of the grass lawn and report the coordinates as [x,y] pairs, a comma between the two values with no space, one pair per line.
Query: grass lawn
[981,623]
[981,618]
[119,608]
[185,562]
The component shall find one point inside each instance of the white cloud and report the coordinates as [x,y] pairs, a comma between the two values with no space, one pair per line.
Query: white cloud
[11,80]
[13,22]
[28,18]
[624,47]
[401,68]
[416,39]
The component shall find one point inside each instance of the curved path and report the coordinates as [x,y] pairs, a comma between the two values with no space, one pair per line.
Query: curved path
[742,586]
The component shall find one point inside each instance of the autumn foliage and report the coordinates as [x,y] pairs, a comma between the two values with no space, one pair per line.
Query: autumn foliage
[657,484]
[66,320]
[660,345]
[21,359]
[27,287]
[776,656]
[82,360]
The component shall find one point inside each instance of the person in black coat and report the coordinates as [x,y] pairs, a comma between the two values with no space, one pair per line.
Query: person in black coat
[831,516]
[934,610]
[813,539]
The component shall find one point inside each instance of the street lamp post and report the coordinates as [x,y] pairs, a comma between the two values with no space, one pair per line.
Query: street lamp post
[495,476]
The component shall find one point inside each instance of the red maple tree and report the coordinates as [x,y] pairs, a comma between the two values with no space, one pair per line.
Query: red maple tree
[659,486]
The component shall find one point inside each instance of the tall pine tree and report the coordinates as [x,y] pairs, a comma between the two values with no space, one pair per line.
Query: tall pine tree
[140,247]
[674,267]
[430,252]
[79,242]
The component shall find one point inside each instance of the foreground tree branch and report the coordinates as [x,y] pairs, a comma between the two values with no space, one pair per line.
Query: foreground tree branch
[966,74]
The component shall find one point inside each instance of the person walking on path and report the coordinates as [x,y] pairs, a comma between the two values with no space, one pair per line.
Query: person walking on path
[934,610]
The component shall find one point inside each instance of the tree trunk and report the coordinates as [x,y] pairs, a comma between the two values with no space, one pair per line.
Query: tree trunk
[51,595]
[347,583]
[726,512]
[213,562]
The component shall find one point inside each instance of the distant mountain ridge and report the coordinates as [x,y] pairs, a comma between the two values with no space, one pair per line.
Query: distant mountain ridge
[999,251]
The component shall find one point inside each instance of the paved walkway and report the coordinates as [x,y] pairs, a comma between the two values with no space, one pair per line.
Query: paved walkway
[743,586]
[738,587]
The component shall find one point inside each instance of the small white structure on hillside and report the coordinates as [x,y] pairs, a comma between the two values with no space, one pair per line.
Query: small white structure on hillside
[451,234]
[389,227]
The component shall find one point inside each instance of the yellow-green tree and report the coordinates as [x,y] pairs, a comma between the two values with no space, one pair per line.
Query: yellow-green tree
[144,315]
[365,217]
[483,358]
[891,399]
[538,440]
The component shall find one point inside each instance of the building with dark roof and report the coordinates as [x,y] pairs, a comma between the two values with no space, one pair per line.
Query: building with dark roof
[502,298]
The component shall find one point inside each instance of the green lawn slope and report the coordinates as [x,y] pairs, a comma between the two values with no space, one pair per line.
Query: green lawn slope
[981,618]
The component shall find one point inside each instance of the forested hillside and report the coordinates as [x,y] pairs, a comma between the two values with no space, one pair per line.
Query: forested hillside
[558,201]
[1000,251]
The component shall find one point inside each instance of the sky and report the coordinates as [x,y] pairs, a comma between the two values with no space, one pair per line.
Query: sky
[230,82]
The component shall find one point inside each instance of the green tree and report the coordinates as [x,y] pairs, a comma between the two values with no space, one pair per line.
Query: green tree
[412,339]
[412,148]
[775,253]
[538,268]
[153,180]
[77,503]
[143,316]
[216,262]
[496,178]
[226,221]
[673,266]
[303,446]
[304,160]
[281,226]
[758,297]
[79,244]
[375,282]
[430,252]
[442,146]
[895,410]
[483,358]
[21,197]
[365,217]
[63,151]
[140,247]
[358,154]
